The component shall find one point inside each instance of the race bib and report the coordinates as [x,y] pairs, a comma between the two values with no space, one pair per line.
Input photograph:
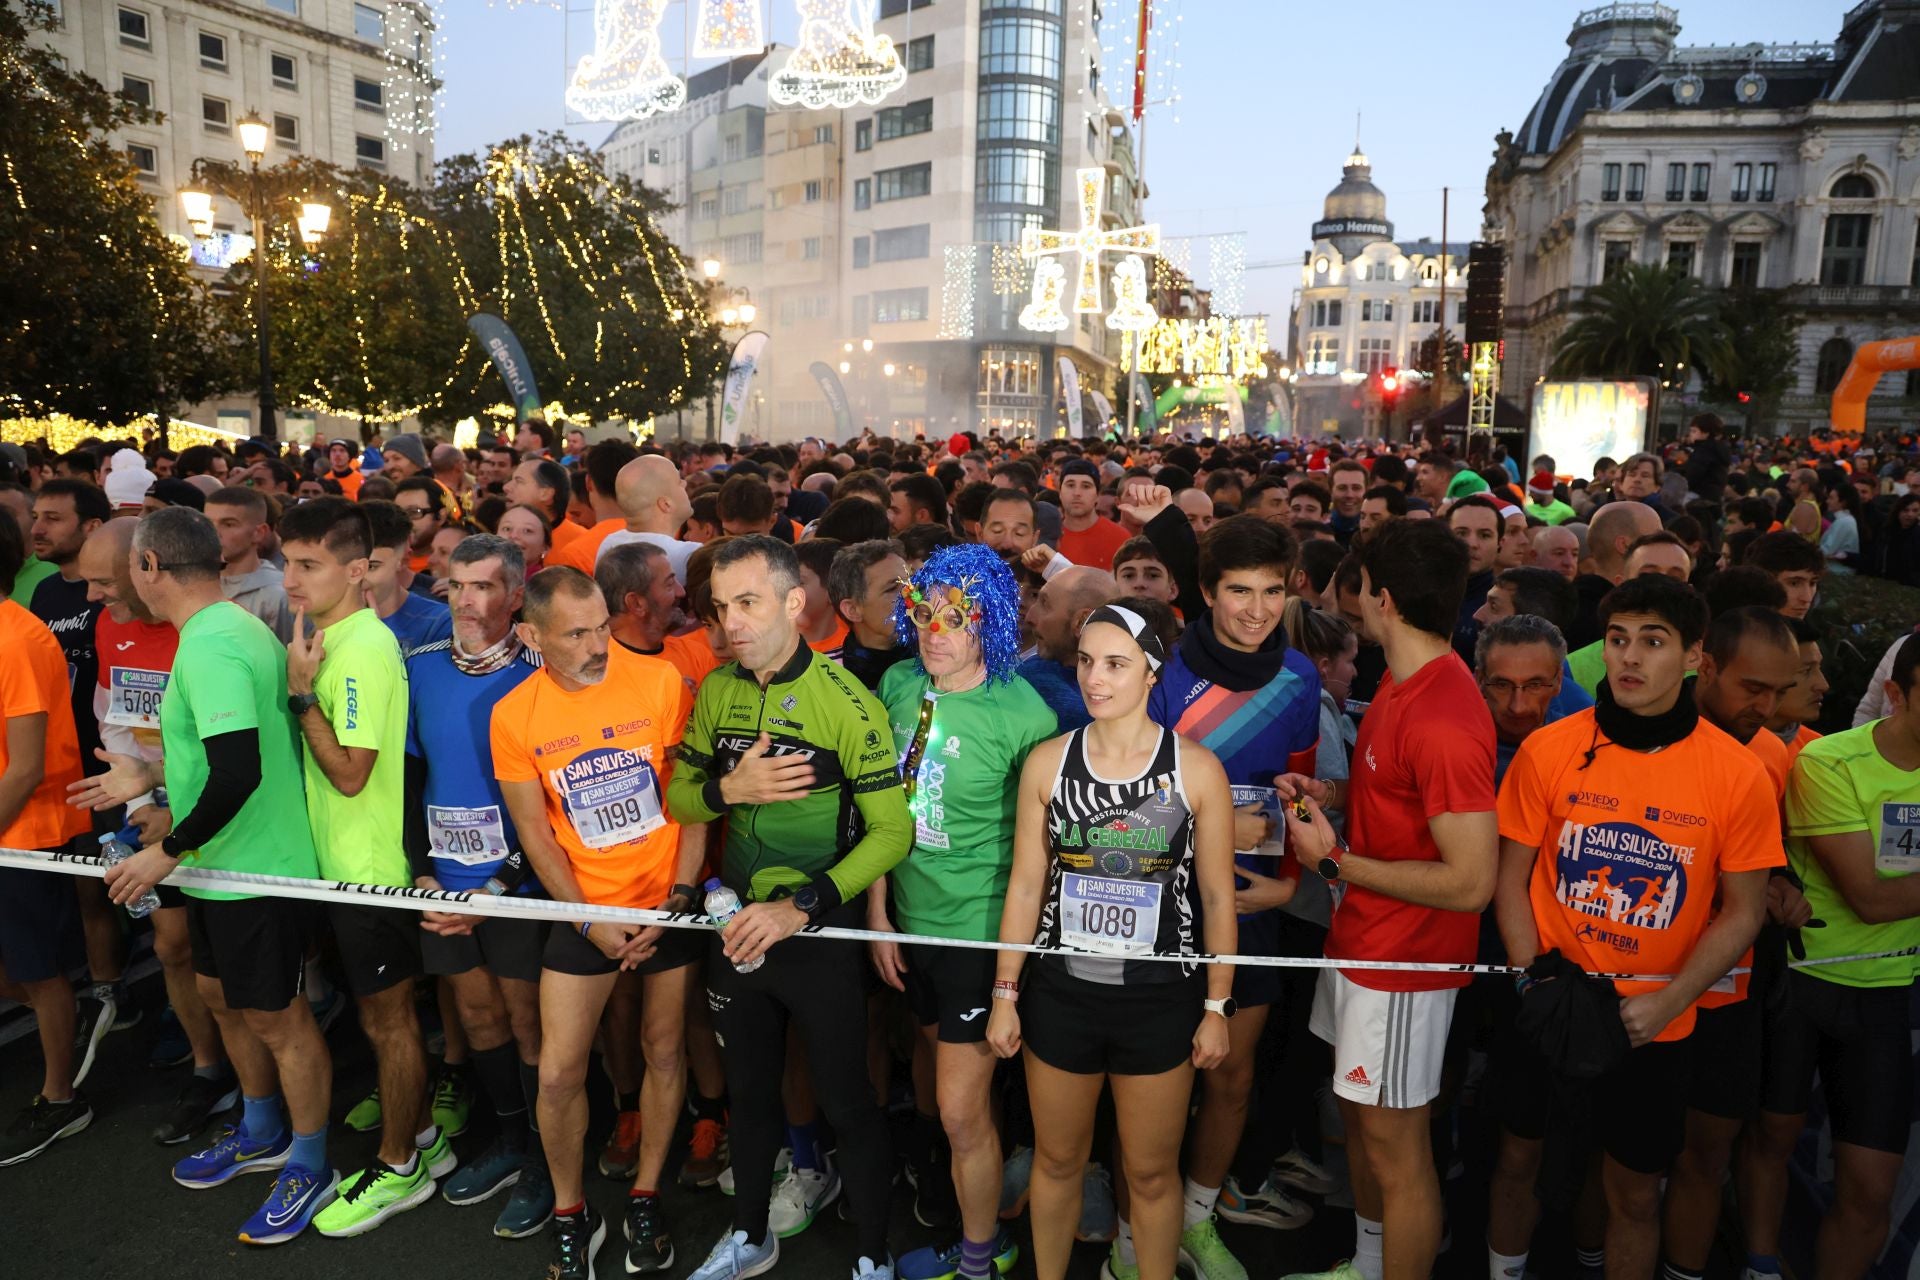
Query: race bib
[471,837]
[1109,917]
[615,806]
[133,697]
[1899,850]
[1269,801]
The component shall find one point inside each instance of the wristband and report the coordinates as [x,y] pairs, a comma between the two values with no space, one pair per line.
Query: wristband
[584,926]
[686,891]
[1011,992]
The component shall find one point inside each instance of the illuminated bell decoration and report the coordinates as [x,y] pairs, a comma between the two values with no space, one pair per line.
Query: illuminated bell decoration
[1089,242]
[1043,313]
[727,29]
[839,60]
[1131,312]
[625,77]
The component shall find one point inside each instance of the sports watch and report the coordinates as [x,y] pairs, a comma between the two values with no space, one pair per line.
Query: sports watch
[1225,1007]
[807,898]
[298,704]
[1329,866]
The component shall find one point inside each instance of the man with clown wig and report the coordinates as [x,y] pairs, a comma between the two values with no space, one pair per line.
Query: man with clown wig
[963,723]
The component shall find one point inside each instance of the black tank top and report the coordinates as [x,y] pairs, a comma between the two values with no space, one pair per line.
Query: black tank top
[1120,881]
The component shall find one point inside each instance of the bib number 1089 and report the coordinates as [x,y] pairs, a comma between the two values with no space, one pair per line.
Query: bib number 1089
[1106,920]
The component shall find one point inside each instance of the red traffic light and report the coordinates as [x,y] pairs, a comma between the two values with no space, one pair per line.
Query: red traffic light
[1389,380]
[1743,397]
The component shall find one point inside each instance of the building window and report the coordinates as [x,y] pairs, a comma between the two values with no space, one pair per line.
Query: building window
[745,248]
[1016,175]
[1843,249]
[1460,311]
[810,249]
[902,122]
[369,24]
[1614,254]
[1376,309]
[1024,112]
[894,8]
[920,54]
[733,200]
[1835,355]
[133,30]
[1429,271]
[1323,355]
[371,152]
[1375,354]
[822,133]
[862,193]
[899,306]
[1676,182]
[709,208]
[901,243]
[1326,312]
[812,192]
[137,91]
[368,95]
[289,7]
[1680,254]
[1003,228]
[1764,193]
[215,117]
[1702,181]
[1913,272]
[1743,271]
[863,135]
[902,184]
[286,73]
[213,51]
[286,131]
[1636,182]
[143,158]
[1854,186]
[1020,47]
[862,252]
[1609,182]
[1742,183]
[1426,311]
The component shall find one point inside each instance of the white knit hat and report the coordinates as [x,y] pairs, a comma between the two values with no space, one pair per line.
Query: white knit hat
[128,482]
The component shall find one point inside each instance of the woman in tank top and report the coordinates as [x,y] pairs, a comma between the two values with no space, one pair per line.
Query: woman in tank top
[1123,849]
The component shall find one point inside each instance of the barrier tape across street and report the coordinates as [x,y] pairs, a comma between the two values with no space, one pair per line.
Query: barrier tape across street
[467,902]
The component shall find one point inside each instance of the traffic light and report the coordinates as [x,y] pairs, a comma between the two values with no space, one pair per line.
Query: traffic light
[1389,387]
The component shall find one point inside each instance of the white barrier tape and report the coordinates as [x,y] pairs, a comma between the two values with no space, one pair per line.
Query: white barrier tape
[464,902]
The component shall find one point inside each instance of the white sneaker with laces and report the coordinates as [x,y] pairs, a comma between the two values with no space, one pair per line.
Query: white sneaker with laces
[800,1197]
[1297,1170]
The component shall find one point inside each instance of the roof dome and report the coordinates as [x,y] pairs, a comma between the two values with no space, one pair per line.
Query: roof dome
[1355,214]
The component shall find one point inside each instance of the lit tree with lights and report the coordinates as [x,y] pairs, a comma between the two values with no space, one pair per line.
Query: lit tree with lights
[99,315]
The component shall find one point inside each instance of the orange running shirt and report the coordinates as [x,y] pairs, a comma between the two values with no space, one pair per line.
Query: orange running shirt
[1631,847]
[691,656]
[831,645]
[1093,546]
[564,535]
[33,681]
[584,551]
[1800,740]
[601,757]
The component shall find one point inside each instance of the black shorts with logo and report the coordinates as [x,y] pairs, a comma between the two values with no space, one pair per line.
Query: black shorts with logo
[379,946]
[506,947]
[1639,1108]
[568,952]
[1859,1041]
[1093,1028]
[951,988]
[255,948]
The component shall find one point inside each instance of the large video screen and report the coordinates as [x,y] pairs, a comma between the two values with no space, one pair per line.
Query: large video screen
[1580,422]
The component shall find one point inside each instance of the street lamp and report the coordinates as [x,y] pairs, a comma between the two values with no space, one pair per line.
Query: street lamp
[262,196]
[710,268]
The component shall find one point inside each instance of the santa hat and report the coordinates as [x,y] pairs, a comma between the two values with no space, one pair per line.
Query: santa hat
[1542,482]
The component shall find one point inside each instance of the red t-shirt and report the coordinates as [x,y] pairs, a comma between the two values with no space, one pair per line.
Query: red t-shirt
[1093,546]
[136,661]
[1425,748]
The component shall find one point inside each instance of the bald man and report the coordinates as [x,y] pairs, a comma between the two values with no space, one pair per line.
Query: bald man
[1610,532]
[1198,507]
[653,498]
[1054,619]
[1557,548]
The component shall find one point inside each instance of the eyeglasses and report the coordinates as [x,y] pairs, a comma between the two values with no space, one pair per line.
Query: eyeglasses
[948,617]
[414,513]
[164,567]
[1505,688]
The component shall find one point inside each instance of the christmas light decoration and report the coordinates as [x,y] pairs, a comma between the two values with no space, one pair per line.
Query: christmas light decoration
[1226,348]
[727,29]
[957,291]
[839,60]
[1227,265]
[410,92]
[625,77]
[1009,270]
[1163,65]
[1043,313]
[1131,312]
[1089,242]
[63,434]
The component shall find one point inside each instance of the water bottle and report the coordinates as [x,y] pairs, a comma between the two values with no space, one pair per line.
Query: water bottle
[723,904]
[115,849]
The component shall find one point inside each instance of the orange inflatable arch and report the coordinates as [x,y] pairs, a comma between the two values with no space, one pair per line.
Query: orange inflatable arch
[1849,413]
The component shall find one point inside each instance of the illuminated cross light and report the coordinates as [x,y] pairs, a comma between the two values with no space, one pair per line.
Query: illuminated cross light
[839,61]
[625,77]
[727,29]
[957,291]
[1089,242]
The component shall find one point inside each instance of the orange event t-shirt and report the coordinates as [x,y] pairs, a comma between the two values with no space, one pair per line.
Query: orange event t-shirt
[582,552]
[1631,847]
[601,755]
[1092,547]
[1772,754]
[35,682]
[564,535]
[832,642]
[1800,740]
[691,656]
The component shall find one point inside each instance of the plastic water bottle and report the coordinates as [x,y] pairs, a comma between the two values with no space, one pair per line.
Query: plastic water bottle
[115,849]
[723,904]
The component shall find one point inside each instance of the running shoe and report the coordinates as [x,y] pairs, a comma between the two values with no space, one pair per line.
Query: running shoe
[438,1155]
[171,1048]
[1299,1171]
[198,1101]
[365,1115]
[1114,1269]
[485,1176]
[1206,1255]
[374,1195]
[868,1269]
[1015,1175]
[40,1124]
[1099,1219]
[297,1195]
[649,1243]
[452,1102]
[231,1155]
[706,1154]
[96,1009]
[622,1152]
[531,1203]
[1269,1206]
[734,1259]
[930,1263]
[782,1164]
[1344,1270]
[799,1198]
[576,1238]
[934,1201]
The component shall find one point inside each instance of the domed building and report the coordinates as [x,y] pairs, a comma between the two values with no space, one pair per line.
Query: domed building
[1366,303]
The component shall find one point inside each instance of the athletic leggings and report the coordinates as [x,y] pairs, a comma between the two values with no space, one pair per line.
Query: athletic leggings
[822,987]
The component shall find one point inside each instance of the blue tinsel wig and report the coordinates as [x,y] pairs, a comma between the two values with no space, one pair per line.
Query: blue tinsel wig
[984,579]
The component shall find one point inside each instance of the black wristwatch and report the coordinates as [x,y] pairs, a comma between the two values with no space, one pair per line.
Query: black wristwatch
[807,898]
[298,704]
[1329,866]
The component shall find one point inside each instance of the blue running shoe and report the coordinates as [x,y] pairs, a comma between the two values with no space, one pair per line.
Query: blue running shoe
[930,1263]
[734,1259]
[493,1171]
[297,1195]
[231,1155]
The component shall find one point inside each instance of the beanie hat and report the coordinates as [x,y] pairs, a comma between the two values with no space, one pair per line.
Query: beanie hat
[408,446]
[129,480]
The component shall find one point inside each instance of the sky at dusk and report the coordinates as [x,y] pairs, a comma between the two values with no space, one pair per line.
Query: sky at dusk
[1268,88]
